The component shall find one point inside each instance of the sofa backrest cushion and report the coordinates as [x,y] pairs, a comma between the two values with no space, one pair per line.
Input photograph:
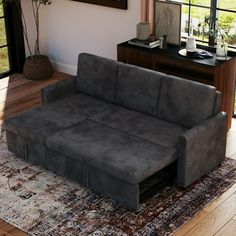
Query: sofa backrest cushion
[96,76]
[186,102]
[138,88]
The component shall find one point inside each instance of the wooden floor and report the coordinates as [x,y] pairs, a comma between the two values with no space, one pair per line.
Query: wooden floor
[18,94]
[219,218]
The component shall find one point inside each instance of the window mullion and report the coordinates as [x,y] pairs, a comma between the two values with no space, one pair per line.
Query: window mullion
[213,14]
[189,17]
[214,6]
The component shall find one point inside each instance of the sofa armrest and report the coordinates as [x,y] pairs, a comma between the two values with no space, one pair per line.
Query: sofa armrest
[201,149]
[59,90]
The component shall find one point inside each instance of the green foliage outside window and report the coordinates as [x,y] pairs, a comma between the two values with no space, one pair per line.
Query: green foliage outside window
[4,60]
[225,14]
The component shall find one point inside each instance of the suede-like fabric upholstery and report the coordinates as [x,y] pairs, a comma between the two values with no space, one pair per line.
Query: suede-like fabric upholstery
[217,103]
[65,166]
[113,187]
[97,76]
[138,88]
[93,178]
[38,123]
[201,149]
[16,144]
[112,149]
[59,90]
[124,156]
[36,153]
[150,128]
[186,102]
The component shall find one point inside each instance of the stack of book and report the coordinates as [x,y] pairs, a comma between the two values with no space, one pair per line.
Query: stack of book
[144,43]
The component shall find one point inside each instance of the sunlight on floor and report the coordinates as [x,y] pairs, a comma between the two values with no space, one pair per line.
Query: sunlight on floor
[233,127]
[4,83]
[231,140]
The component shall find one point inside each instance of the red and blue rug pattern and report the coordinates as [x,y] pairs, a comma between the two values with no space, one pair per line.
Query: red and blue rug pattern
[42,203]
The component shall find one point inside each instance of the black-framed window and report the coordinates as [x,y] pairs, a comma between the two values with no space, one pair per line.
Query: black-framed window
[234,115]
[222,13]
[12,50]
[4,45]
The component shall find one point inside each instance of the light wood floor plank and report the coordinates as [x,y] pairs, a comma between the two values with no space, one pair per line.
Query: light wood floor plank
[216,219]
[15,103]
[228,229]
[220,199]
[9,230]
[12,82]
[16,93]
[206,211]
[192,223]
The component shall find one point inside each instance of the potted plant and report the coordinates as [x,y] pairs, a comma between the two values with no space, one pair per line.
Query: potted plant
[217,34]
[36,66]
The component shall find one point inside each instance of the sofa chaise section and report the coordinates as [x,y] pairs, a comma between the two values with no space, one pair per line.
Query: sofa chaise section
[26,132]
[62,107]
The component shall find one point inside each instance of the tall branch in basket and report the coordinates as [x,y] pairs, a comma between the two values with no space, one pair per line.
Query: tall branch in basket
[35,5]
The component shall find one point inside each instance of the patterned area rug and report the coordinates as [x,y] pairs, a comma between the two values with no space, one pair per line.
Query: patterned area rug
[41,203]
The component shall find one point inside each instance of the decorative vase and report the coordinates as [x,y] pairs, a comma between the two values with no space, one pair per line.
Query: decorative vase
[221,50]
[37,68]
[191,45]
[143,30]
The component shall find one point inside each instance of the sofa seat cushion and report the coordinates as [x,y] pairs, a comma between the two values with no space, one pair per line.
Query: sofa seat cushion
[38,123]
[147,127]
[119,154]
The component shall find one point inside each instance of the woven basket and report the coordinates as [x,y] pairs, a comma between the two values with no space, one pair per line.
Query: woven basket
[37,68]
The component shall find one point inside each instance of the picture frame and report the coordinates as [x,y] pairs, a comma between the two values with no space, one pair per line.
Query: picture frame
[120,4]
[167,21]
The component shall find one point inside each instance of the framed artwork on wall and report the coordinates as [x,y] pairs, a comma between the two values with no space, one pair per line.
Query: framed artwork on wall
[121,4]
[167,19]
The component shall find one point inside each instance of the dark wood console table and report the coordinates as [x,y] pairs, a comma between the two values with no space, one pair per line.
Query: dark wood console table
[208,71]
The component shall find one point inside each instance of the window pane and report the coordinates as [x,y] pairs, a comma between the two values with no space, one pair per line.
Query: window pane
[1,9]
[3,40]
[200,30]
[4,60]
[227,21]
[206,3]
[227,4]
[184,21]
[181,1]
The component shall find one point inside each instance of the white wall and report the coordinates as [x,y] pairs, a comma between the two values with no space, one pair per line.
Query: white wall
[69,28]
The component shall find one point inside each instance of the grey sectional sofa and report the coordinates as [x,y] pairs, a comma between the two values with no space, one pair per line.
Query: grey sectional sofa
[114,125]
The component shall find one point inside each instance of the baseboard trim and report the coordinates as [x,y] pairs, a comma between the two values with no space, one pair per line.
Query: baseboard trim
[61,67]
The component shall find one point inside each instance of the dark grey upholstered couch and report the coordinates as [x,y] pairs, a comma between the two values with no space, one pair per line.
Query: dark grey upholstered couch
[114,125]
